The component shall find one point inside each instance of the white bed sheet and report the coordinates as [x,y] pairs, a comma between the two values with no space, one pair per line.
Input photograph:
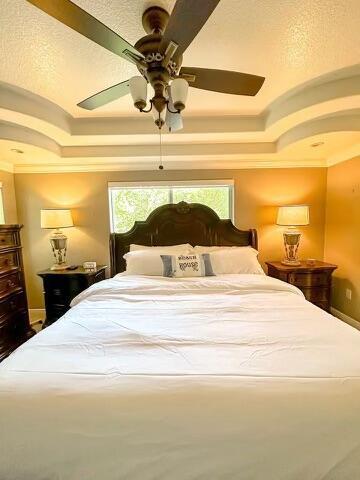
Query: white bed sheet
[229,377]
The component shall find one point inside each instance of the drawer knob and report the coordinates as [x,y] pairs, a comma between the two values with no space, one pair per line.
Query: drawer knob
[292,278]
[12,305]
[10,284]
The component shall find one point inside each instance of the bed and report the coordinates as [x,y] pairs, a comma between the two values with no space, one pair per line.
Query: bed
[223,377]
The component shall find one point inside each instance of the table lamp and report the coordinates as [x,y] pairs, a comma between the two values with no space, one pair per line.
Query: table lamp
[292,216]
[56,219]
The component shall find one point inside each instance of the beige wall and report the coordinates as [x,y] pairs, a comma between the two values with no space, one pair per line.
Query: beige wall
[7,180]
[257,192]
[342,245]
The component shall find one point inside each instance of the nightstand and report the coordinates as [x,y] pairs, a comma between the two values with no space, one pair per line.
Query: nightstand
[60,287]
[314,281]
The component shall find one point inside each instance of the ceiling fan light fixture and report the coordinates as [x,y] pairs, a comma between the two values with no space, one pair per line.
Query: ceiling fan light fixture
[138,90]
[179,91]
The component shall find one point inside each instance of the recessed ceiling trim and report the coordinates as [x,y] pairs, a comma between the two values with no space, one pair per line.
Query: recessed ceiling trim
[19,100]
[348,122]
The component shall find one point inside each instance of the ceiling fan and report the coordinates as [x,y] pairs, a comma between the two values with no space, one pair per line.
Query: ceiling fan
[158,57]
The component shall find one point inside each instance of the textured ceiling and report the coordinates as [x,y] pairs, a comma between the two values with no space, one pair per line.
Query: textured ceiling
[287,41]
[308,50]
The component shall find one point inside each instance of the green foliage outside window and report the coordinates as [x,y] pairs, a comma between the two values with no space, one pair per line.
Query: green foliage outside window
[131,204]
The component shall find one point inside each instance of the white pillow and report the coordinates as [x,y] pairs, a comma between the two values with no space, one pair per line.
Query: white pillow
[236,260]
[144,262]
[182,248]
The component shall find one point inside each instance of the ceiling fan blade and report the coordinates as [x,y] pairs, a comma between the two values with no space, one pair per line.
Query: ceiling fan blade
[185,22]
[223,81]
[82,22]
[106,96]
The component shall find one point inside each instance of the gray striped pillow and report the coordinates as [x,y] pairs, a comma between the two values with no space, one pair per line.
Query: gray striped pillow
[187,265]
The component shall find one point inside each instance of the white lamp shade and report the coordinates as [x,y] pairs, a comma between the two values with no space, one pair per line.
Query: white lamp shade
[56,218]
[173,120]
[293,215]
[138,89]
[179,92]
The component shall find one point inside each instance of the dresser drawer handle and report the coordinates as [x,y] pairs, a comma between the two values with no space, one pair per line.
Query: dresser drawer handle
[10,284]
[12,305]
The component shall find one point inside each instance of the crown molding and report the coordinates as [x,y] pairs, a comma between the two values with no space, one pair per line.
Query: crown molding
[207,164]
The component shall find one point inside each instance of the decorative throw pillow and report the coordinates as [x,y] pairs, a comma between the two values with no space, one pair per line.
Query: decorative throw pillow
[187,265]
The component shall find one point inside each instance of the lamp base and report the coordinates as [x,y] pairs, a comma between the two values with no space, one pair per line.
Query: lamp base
[291,244]
[59,266]
[291,263]
[58,243]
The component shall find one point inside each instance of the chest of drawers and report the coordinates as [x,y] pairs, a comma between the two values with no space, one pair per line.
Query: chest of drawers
[14,319]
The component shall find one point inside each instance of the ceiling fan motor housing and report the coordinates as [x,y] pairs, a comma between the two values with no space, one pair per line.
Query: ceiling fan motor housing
[155,19]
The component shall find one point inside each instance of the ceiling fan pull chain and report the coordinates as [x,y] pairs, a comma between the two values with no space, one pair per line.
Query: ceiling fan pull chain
[161,166]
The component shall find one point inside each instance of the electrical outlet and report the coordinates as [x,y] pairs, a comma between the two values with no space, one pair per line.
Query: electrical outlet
[348,293]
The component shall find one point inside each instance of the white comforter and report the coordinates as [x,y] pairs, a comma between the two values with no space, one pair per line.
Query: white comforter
[218,378]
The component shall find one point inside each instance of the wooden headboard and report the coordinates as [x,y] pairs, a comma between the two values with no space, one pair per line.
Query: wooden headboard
[173,224]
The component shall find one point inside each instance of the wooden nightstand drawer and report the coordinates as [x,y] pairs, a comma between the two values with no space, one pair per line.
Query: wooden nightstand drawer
[54,312]
[57,295]
[316,294]
[316,279]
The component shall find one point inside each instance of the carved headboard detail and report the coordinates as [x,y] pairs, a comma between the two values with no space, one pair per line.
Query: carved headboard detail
[178,223]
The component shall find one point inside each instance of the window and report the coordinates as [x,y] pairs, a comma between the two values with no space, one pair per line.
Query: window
[130,202]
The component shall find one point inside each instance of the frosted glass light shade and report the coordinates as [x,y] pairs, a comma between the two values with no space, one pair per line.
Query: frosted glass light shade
[179,92]
[138,90]
[293,215]
[56,218]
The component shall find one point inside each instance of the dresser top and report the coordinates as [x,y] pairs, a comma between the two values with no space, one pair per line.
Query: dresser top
[304,266]
[10,227]
[78,271]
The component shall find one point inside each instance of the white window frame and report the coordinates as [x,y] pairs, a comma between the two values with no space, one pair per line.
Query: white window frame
[169,184]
